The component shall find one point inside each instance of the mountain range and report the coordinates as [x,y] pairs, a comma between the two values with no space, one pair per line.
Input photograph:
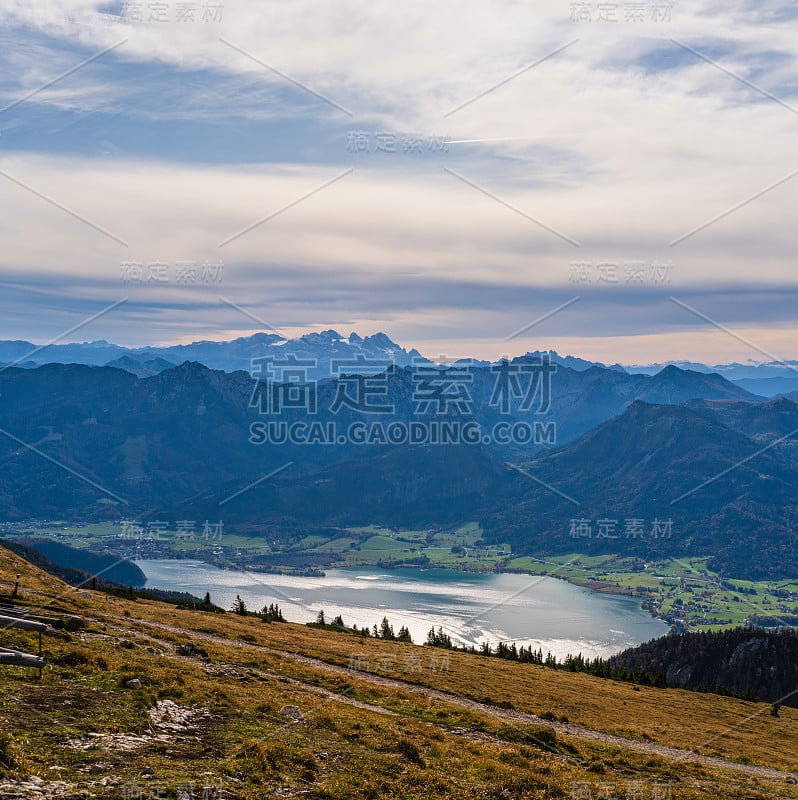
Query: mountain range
[322,349]
[769,379]
[714,465]
[657,481]
[723,491]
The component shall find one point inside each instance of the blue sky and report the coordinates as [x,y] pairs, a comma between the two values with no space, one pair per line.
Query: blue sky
[448,174]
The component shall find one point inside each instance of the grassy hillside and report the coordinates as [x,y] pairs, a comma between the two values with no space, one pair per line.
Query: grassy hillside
[378,719]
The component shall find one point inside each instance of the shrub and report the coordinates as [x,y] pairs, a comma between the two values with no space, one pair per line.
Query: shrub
[410,752]
[11,758]
[72,658]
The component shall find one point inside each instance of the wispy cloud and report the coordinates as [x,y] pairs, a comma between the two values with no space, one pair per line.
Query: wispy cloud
[630,140]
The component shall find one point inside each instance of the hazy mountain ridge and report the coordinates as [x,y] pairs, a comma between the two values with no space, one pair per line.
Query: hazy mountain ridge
[179,443]
[733,371]
[238,354]
[769,380]
[230,356]
[324,348]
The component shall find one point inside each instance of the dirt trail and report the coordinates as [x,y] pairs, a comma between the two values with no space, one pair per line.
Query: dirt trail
[505,715]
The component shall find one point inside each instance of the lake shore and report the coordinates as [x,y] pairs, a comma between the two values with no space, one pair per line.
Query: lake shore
[473,608]
[684,592]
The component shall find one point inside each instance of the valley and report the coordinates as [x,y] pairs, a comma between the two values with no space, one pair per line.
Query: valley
[684,592]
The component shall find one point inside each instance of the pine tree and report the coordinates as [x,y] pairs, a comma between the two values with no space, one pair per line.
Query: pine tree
[272,613]
[439,638]
[240,607]
[404,635]
[386,630]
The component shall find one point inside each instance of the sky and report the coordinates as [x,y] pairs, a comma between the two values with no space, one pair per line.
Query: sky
[616,181]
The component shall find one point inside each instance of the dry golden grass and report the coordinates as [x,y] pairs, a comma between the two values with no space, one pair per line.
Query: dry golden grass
[709,723]
[359,738]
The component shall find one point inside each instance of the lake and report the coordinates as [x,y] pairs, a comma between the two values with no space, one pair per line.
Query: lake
[471,607]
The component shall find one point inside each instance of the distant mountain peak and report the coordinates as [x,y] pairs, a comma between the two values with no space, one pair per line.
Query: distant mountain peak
[191,368]
[257,337]
[572,362]
[382,340]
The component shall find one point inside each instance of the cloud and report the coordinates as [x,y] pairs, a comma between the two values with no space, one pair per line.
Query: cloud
[626,140]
